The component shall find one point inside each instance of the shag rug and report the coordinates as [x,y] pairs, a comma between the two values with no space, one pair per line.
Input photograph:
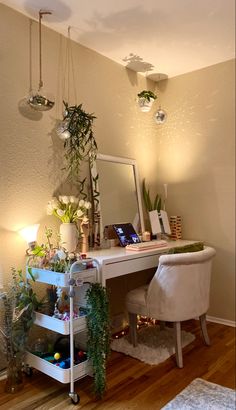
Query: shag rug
[154,345]
[201,394]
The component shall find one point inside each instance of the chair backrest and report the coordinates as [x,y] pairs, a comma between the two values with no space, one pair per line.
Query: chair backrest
[180,287]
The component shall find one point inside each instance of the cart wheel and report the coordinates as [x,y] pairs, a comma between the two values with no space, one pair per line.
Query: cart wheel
[75,398]
[28,371]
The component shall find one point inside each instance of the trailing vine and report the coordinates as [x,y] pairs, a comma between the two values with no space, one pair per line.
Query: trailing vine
[98,324]
[81,144]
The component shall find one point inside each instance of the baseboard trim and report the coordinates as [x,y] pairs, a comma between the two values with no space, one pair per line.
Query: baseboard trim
[221,321]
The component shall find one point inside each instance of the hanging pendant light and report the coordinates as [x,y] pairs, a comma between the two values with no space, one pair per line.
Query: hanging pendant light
[38,100]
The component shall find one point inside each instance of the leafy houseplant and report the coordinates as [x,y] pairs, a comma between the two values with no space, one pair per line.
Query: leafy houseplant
[98,324]
[145,100]
[76,130]
[71,210]
[147,95]
[149,204]
[17,315]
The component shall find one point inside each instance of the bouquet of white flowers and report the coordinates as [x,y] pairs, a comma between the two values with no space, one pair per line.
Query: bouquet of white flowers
[68,209]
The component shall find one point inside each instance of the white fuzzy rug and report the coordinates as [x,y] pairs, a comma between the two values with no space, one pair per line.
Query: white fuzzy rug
[203,395]
[154,345]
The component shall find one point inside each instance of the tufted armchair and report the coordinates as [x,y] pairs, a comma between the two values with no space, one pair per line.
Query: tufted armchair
[178,291]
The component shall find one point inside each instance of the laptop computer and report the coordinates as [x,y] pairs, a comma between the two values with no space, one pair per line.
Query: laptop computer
[126,234]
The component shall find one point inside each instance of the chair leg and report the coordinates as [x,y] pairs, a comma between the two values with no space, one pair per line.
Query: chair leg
[162,325]
[178,345]
[204,329]
[133,328]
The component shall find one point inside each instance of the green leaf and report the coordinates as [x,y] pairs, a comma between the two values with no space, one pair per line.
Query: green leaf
[31,274]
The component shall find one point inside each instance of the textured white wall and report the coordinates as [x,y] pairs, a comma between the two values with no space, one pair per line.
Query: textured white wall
[31,154]
[196,157]
[193,152]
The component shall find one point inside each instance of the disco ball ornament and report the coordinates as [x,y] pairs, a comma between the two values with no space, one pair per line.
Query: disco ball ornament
[65,135]
[62,130]
[160,116]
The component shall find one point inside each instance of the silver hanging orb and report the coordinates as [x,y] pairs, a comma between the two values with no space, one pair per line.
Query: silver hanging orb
[40,102]
[62,130]
[160,116]
[65,135]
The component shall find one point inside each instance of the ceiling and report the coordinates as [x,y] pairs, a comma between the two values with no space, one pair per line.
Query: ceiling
[157,38]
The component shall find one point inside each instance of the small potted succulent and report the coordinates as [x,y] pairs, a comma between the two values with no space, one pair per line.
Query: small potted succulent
[145,100]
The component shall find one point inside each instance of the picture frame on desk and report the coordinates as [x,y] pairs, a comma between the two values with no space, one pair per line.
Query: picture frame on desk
[159,222]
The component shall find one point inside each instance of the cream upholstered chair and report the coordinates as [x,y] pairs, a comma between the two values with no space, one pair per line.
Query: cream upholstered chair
[178,291]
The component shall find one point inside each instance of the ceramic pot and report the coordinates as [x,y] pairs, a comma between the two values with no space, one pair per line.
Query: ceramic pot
[144,104]
[69,236]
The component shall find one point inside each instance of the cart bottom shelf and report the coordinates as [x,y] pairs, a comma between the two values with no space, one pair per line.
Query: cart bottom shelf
[62,375]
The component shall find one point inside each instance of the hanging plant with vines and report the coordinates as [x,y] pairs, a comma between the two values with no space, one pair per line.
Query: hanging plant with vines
[76,130]
[98,325]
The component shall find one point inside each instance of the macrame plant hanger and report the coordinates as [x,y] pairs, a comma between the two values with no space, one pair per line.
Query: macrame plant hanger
[38,100]
[62,130]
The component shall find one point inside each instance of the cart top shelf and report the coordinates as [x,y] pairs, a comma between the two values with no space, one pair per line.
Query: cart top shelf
[62,279]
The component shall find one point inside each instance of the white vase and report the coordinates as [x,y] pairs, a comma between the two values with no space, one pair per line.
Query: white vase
[69,236]
[144,104]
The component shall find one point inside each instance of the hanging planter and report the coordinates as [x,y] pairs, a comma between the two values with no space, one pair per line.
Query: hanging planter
[76,130]
[145,100]
[39,100]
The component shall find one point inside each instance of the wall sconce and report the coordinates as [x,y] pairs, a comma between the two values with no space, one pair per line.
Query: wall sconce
[29,234]
[160,116]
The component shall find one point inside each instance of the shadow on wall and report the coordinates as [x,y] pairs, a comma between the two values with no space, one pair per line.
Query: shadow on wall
[62,13]
[136,64]
[112,30]
[26,111]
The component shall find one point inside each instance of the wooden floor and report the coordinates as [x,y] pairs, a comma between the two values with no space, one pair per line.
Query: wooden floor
[133,385]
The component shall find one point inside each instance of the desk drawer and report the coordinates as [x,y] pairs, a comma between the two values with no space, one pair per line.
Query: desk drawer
[115,269]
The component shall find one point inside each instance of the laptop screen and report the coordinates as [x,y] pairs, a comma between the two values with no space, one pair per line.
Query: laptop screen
[126,234]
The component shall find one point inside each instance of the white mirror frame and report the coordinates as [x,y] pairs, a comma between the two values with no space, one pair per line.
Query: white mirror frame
[128,161]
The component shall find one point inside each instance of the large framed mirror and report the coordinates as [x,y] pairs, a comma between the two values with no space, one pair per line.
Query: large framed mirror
[116,194]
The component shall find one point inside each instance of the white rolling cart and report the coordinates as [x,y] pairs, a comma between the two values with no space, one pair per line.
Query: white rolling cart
[77,276]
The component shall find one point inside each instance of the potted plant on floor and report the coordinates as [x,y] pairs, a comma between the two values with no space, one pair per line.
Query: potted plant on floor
[145,100]
[16,318]
[98,324]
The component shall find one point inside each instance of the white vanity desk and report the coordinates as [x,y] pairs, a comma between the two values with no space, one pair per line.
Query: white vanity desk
[117,261]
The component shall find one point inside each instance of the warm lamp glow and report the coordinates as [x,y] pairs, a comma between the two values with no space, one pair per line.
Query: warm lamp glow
[29,233]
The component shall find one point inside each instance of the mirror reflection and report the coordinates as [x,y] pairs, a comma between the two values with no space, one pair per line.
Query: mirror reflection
[116,192]
[118,200]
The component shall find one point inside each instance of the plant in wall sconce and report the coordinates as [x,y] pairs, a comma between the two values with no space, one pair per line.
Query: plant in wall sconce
[145,100]
[76,130]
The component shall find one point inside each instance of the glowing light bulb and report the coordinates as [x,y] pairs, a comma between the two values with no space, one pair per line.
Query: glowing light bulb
[29,234]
